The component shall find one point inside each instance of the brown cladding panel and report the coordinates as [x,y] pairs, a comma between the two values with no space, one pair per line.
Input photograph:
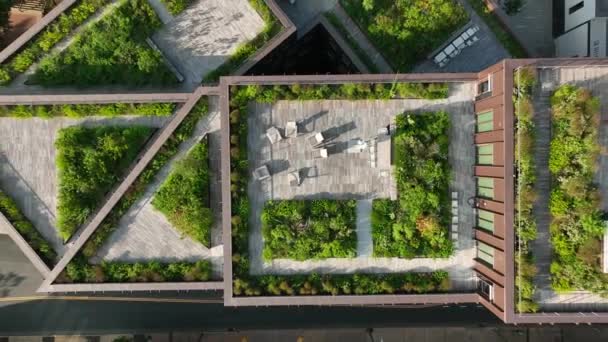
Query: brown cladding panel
[482,75]
[499,189]
[499,261]
[497,207]
[489,103]
[489,238]
[499,154]
[489,273]
[488,137]
[497,83]
[490,171]
[499,297]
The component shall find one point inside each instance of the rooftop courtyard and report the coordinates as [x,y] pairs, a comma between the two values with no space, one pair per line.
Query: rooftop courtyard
[351,159]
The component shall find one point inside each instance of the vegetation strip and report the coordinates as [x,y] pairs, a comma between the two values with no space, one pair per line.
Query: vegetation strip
[11,211]
[525,194]
[405,31]
[84,110]
[118,272]
[111,51]
[184,196]
[505,37]
[80,263]
[176,7]
[578,224]
[244,284]
[416,225]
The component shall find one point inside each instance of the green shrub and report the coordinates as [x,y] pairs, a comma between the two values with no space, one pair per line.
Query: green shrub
[176,7]
[405,31]
[184,196]
[89,162]
[84,110]
[315,229]
[417,223]
[27,230]
[110,51]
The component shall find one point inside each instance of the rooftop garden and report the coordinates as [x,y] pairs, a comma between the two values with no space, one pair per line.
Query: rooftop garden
[184,196]
[525,193]
[416,225]
[110,51]
[578,225]
[13,214]
[85,110]
[89,162]
[272,27]
[304,230]
[406,31]
[80,270]
[245,284]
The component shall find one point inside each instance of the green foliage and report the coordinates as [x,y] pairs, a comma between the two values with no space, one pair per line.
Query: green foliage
[333,19]
[166,152]
[578,225]
[405,31]
[90,161]
[416,224]
[78,271]
[50,36]
[176,7]
[507,40]
[303,230]
[84,110]
[184,196]
[271,27]
[27,230]
[110,51]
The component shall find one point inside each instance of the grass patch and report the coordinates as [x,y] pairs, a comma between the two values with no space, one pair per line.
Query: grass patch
[27,230]
[505,38]
[245,50]
[303,230]
[111,51]
[406,31]
[89,162]
[84,110]
[416,225]
[363,56]
[184,196]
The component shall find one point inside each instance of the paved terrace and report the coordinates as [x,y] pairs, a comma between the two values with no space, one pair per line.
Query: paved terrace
[206,34]
[145,234]
[350,176]
[595,79]
[27,169]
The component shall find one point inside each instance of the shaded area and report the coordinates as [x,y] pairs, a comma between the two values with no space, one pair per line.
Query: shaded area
[18,277]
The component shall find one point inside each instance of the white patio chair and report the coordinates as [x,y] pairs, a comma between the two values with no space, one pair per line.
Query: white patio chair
[316,139]
[273,135]
[291,129]
[261,173]
[320,153]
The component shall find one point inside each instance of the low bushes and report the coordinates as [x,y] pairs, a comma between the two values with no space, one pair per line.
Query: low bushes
[525,193]
[176,7]
[184,196]
[417,223]
[79,271]
[27,230]
[405,31]
[110,51]
[89,162]
[316,229]
[271,27]
[244,284]
[84,110]
[51,35]
[578,223]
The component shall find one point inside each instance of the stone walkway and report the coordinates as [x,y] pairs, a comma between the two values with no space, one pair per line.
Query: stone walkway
[206,34]
[365,245]
[28,173]
[366,117]
[144,234]
[484,53]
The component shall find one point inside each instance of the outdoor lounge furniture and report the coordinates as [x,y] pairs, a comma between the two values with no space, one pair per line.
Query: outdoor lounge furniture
[261,173]
[459,43]
[454,47]
[320,153]
[273,135]
[294,178]
[316,139]
[291,129]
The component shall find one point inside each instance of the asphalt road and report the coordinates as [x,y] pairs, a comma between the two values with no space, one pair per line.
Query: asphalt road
[99,317]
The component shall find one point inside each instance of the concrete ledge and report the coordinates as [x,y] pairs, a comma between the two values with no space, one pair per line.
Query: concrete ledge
[49,99]
[338,79]
[118,287]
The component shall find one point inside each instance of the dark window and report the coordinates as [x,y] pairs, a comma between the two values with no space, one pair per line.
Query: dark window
[576,7]
[484,87]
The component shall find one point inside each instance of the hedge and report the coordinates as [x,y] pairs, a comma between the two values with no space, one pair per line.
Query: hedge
[89,162]
[27,230]
[578,224]
[416,224]
[244,284]
[406,31]
[110,51]
[184,196]
[84,110]
[313,229]
[526,231]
